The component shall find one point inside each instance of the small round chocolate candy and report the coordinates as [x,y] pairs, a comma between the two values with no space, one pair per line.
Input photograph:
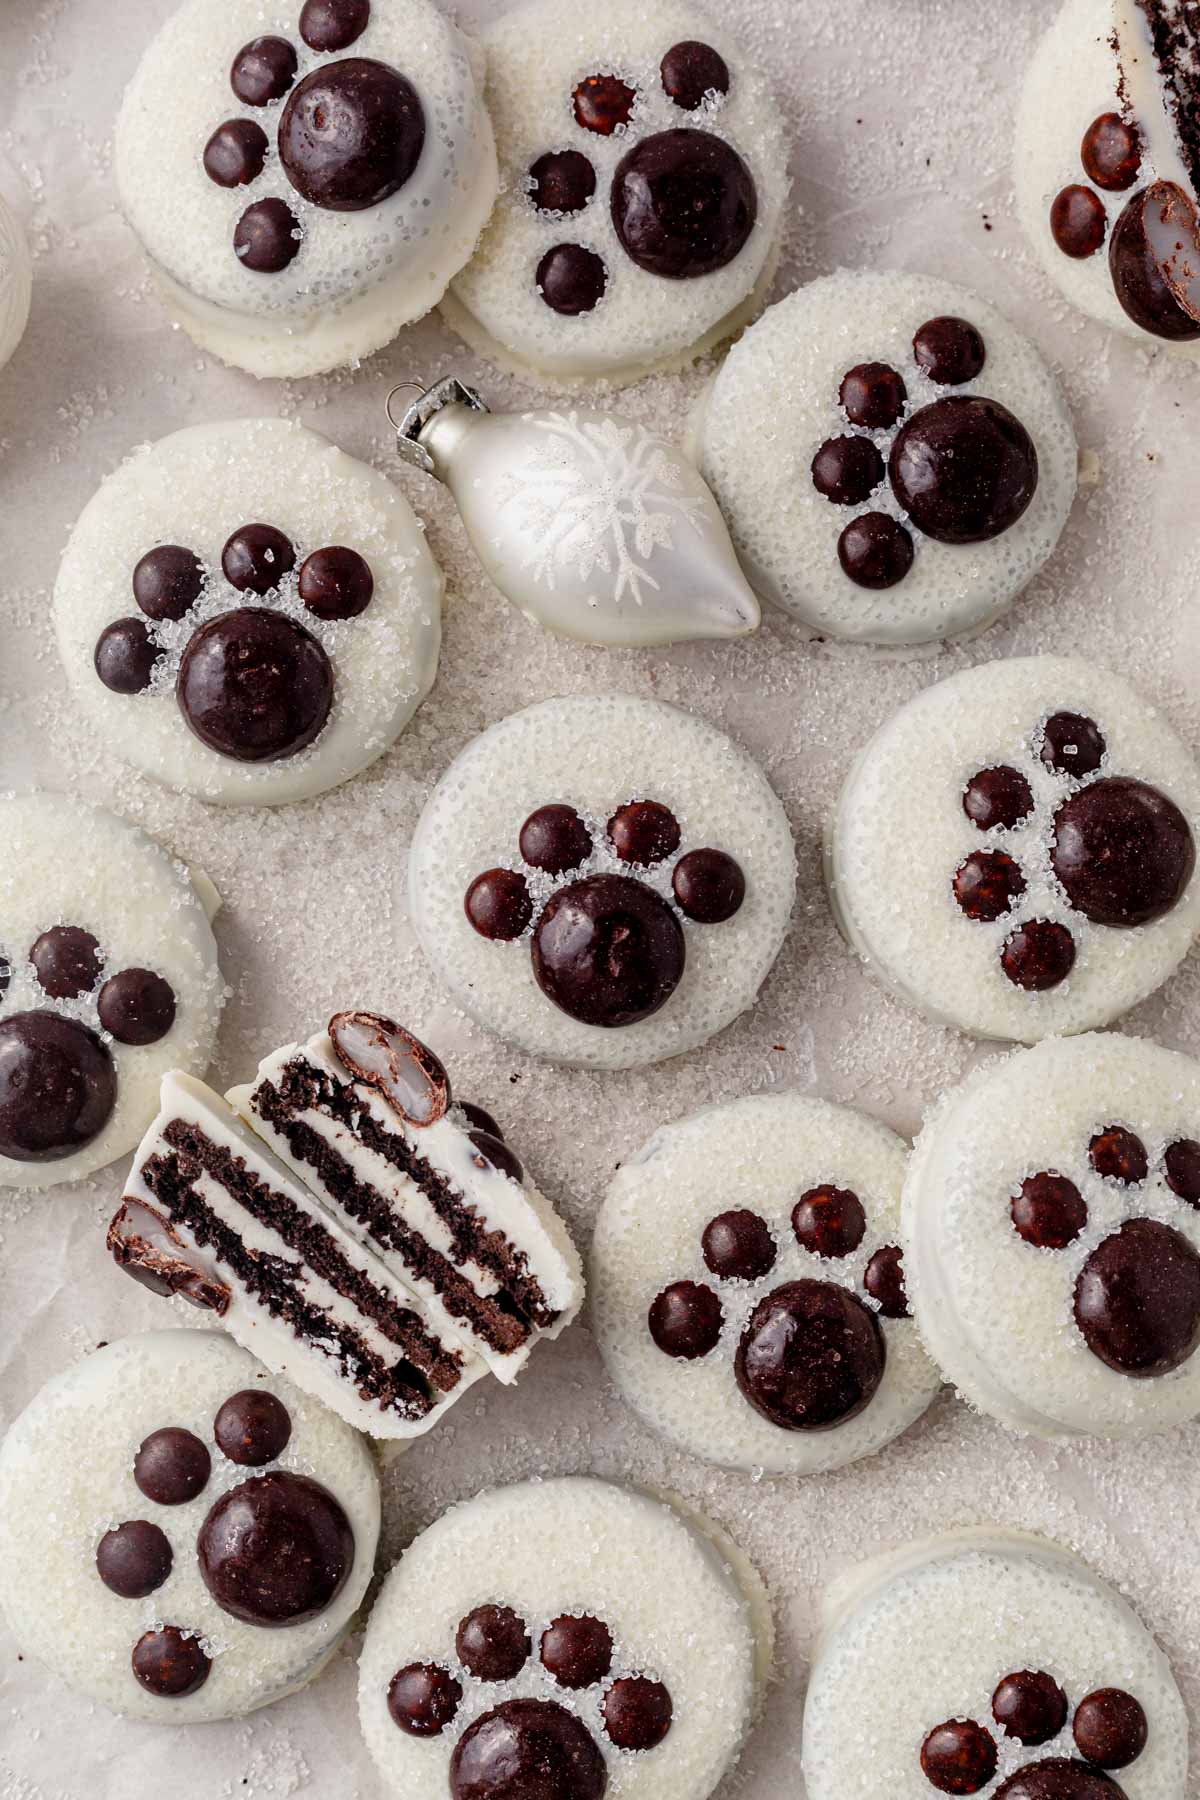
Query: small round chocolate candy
[125,656]
[709,886]
[67,961]
[691,71]
[875,551]
[571,279]
[58,1086]
[169,1664]
[134,1559]
[738,1245]
[873,395]
[829,1221]
[1111,153]
[493,1643]
[602,103]
[608,950]
[1123,851]
[498,904]
[997,798]
[491,1152]
[1119,1154]
[424,1698]
[1145,288]
[276,1550]
[1039,954]
[1072,744]
[252,1428]
[1137,1299]
[562,181]
[267,236]
[263,70]
[351,134]
[959,1757]
[950,351]
[1078,221]
[811,1356]
[1110,1728]
[136,1006]
[1048,1211]
[555,839]
[172,1466]
[236,153]
[1029,1706]
[167,581]
[637,1712]
[683,203]
[328,25]
[1058,1778]
[987,883]
[336,583]
[256,557]
[685,1320]
[847,470]
[576,1649]
[527,1750]
[255,685]
[644,832]
[883,1280]
[1181,1167]
[964,469]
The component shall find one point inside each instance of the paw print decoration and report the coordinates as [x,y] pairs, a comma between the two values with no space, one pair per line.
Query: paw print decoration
[1029,1709]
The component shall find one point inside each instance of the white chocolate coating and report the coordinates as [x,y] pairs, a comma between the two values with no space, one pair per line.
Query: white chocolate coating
[761,1154]
[925,1634]
[899,833]
[537,56]
[195,488]
[16,281]
[678,1609]
[774,402]
[359,276]
[66,1477]
[997,1313]
[596,753]
[67,863]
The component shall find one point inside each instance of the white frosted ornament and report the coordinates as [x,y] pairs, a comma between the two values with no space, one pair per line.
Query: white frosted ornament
[16,281]
[593,527]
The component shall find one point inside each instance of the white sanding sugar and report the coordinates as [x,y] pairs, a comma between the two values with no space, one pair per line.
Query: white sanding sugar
[774,403]
[66,863]
[998,1313]
[359,275]
[681,1603]
[195,489]
[926,1635]
[899,833]
[760,1154]
[537,57]
[66,1478]
[597,753]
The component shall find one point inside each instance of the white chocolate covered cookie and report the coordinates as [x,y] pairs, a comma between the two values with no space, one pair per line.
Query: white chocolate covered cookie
[247,613]
[305,176]
[568,1638]
[16,281]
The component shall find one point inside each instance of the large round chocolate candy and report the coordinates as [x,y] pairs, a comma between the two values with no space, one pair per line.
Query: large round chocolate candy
[683,203]
[608,950]
[1137,1299]
[255,685]
[811,1356]
[1123,851]
[1058,1778]
[528,1750]
[58,1086]
[276,1550]
[1146,281]
[964,469]
[352,133]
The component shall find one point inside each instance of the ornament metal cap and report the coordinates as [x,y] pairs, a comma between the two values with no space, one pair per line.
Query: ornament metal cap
[421,411]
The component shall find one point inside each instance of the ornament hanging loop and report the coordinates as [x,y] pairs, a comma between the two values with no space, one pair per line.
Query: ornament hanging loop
[418,413]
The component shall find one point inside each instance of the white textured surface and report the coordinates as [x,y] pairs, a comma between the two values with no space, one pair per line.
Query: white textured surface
[16,278]
[676,1609]
[760,1154]
[775,402]
[315,916]
[66,1477]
